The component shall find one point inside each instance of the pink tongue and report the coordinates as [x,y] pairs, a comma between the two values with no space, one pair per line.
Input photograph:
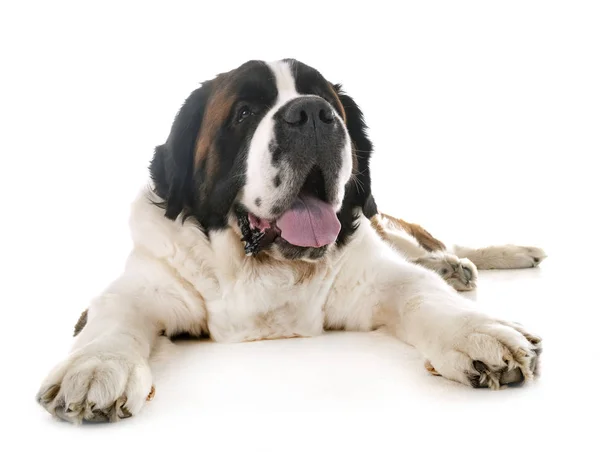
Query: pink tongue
[310,222]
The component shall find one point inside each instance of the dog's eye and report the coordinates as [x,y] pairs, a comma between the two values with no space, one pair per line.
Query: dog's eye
[243,114]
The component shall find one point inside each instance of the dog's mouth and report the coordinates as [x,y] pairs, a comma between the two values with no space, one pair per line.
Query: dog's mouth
[309,222]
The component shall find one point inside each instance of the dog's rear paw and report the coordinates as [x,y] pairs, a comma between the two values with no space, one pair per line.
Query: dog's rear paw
[461,274]
[530,256]
[503,257]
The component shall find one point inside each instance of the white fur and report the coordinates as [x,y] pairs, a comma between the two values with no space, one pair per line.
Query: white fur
[503,256]
[176,280]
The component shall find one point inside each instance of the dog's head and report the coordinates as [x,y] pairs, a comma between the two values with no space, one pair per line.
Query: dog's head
[273,150]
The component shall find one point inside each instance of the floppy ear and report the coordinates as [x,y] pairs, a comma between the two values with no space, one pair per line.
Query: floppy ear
[172,167]
[358,191]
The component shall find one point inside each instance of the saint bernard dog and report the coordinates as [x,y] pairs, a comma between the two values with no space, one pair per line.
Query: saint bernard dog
[258,222]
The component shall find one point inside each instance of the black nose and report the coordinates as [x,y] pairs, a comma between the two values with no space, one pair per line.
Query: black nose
[308,112]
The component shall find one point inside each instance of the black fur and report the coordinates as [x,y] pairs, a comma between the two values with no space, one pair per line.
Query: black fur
[310,81]
[172,167]
[183,188]
[358,189]
[313,144]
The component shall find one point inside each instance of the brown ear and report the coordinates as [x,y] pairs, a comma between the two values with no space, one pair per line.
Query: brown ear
[172,167]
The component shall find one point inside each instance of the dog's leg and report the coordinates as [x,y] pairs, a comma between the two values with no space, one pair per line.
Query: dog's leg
[502,257]
[419,246]
[390,228]
[107,375]
[461,342]
[456,264]
[400,240]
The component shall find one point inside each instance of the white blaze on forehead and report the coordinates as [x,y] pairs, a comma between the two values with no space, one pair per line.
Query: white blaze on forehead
[286,83]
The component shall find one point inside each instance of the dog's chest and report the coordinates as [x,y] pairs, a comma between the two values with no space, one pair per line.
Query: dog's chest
[245,298]
[263,299]
[271,306]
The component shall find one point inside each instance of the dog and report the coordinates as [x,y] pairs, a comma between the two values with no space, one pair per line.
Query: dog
[258,222]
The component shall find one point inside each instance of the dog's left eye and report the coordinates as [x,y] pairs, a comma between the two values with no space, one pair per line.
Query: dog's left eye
[243,114]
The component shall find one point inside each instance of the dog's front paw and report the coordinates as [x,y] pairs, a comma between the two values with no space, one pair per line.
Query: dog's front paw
[487,353]
[97,387]
[459,273]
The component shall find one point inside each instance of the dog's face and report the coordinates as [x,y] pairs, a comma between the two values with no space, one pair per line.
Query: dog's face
[272,150]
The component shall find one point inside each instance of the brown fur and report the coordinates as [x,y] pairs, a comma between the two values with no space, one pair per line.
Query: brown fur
[151,394]
[379,228]
[338,102]
[217,110]
[80,323]
[424,238]
[431,369]
[303,270]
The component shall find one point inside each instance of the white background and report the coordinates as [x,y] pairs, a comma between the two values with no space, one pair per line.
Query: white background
[486,122]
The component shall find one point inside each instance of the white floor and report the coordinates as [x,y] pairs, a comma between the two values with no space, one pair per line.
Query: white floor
[485,121]
[352,391]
